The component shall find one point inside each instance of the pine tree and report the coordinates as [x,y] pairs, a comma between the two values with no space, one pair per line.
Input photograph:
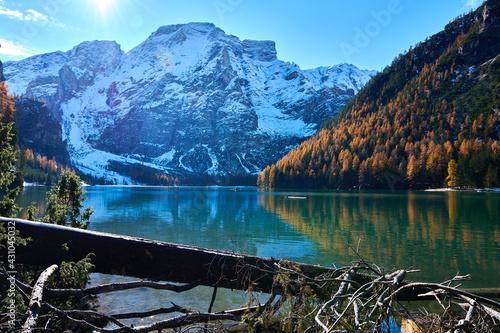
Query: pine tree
[7,171]
[64,203]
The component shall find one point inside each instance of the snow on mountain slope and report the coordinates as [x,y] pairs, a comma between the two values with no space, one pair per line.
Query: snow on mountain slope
[189,99]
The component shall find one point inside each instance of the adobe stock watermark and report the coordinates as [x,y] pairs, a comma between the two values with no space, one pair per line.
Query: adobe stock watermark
[221,7]
[373,28]
[11,265]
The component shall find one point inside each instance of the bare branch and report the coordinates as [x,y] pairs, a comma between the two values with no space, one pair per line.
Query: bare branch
[184,320]
[111,287]
[491,312]
[453,290]
[172,309]
[36,299]
[466,324]
[83,323]
[364,262]
[90,313]
[458,278]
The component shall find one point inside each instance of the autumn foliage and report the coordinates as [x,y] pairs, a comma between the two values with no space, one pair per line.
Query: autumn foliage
[428,113]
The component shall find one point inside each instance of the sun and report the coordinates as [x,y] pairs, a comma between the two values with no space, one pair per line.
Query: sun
[102,6]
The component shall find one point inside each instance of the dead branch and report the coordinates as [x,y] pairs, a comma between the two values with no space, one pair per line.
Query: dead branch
[36,299]
[185,320]
[172,309]
[466,323]
[436,287]
[492,313]
[111,287]
[362,260]
[189,318]
[106,288]
[89,314]
[365,301]
[79,322]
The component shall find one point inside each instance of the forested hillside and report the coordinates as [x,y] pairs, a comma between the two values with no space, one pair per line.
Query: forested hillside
[431,119]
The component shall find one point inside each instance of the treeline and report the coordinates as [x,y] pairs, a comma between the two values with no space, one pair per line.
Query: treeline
[38,169]
[429,120]
[422,165]
[206,180]
[146,175]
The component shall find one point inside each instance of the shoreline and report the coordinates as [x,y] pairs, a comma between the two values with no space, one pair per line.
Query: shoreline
[240,187]
[492,190]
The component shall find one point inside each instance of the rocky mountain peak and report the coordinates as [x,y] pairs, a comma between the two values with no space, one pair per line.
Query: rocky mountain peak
[188,100]
[194,27]
[260,50]
[96,55]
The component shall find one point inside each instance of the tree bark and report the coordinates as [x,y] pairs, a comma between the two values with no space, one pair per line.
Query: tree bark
[143,258]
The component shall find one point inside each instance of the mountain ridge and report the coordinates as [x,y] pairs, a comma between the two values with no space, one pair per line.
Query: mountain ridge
[188,100]
[430,119]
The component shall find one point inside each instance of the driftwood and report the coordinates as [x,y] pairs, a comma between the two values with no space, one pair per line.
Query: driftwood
[371,304]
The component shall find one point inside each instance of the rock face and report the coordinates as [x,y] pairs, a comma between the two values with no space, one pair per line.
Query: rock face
[485,44]
[39,130]
[188,100]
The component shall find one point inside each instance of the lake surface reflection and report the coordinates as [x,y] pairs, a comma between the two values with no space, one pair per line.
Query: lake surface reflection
[441,233]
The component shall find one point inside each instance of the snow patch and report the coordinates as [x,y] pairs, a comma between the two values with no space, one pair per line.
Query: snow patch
[244,167]
[165,158]
[275,123]
[182,164]
[215,163]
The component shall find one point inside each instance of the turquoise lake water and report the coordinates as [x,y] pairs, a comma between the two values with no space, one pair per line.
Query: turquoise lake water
[441,233]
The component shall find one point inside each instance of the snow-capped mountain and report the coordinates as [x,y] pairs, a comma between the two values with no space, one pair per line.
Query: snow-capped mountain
[188,100]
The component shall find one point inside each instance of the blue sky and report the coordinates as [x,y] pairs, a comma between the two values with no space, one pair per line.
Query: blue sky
[366,33]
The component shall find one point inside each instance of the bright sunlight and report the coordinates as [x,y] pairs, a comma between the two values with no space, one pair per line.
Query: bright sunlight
[103,6]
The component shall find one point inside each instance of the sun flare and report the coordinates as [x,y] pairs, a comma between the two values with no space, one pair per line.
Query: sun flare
[102,6]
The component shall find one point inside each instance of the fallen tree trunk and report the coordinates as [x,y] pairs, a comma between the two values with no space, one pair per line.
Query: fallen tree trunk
[162,261]
[149,259]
